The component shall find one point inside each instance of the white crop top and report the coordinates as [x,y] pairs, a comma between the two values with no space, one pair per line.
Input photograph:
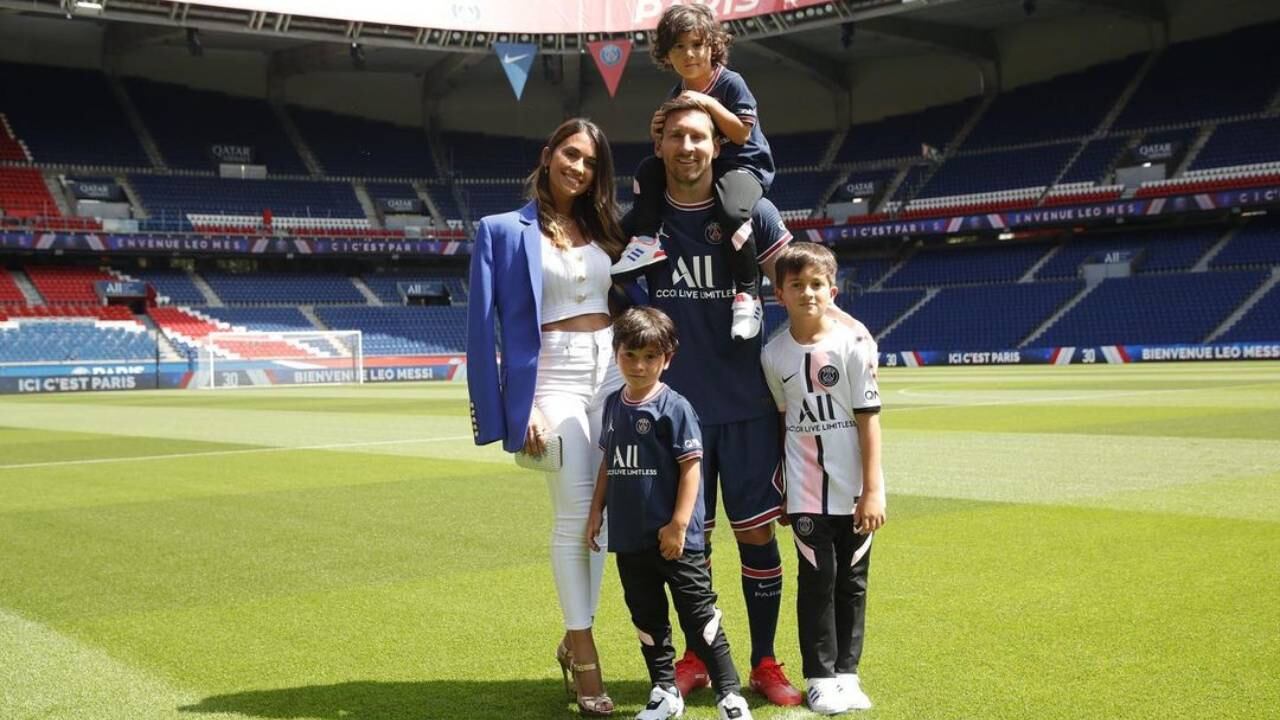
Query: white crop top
[574,281]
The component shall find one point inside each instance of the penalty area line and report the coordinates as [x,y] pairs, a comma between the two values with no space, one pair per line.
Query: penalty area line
[218,453]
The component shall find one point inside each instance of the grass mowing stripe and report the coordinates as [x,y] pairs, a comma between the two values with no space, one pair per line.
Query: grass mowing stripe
[247,451]
[50,676]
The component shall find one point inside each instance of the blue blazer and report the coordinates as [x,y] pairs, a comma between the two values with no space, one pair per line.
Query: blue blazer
[506,304]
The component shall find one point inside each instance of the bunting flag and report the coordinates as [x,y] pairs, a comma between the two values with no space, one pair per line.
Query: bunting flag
[516,59]
[611,59]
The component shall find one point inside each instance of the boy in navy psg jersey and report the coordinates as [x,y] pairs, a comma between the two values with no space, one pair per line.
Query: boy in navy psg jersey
[691,43]
[650,480]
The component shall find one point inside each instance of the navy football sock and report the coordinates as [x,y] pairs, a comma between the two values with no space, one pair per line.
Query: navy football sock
[762,589]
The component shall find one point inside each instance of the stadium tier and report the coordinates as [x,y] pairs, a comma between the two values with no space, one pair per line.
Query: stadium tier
[475,155]
[179,202]
[1066,106]
[802,190]
[866,272]
[1095,160]
[61,340]
[387,285]
[489,198]
[68,116]
[66,284]
[283,288]
[187,124]
[961,318]
[800,150]
[9,290]
[1009,169]
[1256,244]
[877,310]
[347,145]
[1261,322]
[1176,308]
[1243,143]
[172,286]
[1192,81]
[1156,251]
[900,136]
[402,330]
[964,266]
[24,194]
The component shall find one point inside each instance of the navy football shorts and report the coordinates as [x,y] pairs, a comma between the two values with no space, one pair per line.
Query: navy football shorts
[741,464]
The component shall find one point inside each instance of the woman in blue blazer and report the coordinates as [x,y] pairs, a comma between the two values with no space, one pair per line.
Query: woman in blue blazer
[540,290]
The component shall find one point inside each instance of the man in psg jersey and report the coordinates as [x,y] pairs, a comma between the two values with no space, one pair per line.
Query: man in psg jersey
[723,381]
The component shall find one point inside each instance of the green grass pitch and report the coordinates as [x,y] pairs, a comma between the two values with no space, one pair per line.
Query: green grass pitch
[1082,542]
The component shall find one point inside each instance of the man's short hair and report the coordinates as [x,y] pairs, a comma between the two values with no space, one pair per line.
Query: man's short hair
[681,104]
[797,256]
[641,327]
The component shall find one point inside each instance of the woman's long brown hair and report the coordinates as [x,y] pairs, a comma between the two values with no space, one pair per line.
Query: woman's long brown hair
[595,211]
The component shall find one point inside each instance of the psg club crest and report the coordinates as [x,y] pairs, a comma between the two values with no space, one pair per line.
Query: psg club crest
[804,525]
[611,54]
[643,426]
[713,233]
[828,375]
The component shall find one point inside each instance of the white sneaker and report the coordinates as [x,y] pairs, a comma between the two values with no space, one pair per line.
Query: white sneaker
[747,316]
[733,707]
[851,687]
[663,704]
[825,696]
[639,254]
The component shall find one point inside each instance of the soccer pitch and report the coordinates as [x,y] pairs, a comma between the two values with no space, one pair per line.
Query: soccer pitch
[1063,542]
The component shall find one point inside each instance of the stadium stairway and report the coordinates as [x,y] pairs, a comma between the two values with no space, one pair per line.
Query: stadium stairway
[190,328]
[300,145]
[929,295]
[1205,260]
[366,291]
[28,289]
[1245,307]
[131,114]
[1057,315]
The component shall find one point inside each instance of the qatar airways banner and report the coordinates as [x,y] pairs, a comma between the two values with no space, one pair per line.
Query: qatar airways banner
[530,16]
[1149,207]
[1096,355]
[56,242]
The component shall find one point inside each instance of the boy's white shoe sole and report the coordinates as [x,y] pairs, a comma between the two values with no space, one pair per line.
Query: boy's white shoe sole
[748,314]
[662,704]
[641,252]
[851,688]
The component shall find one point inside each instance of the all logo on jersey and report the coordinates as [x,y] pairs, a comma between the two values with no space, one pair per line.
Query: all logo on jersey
[626,456]
[696,273]
[828,376]
[823,409]
[643,426]
[713,233]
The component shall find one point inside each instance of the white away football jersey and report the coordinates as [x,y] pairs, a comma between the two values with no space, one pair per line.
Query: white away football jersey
[820,388]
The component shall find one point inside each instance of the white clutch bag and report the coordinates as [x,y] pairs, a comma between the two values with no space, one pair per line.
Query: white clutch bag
[550,460]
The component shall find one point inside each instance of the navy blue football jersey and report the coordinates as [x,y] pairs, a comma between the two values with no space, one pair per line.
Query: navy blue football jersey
[754,155]
[721,378]
[643,445]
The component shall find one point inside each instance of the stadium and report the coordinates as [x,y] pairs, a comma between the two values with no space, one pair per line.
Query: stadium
[237,477]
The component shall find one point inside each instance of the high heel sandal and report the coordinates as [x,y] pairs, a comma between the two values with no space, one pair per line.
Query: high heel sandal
[566,667]
[590,705]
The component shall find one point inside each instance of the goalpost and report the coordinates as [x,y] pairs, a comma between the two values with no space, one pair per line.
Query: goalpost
[272,359]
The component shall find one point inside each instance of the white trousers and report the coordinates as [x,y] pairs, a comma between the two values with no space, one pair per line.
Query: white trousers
[576,372]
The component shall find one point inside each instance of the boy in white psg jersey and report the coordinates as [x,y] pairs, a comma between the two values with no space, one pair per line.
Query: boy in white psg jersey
[823,377]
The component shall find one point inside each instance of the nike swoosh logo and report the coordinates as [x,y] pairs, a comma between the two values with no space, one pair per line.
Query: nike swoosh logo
[508,59]
[788,378]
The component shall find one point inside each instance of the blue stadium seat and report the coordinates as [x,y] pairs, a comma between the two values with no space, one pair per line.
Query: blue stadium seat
[965,266]
[961,318]
[61,341]
[1173,308]
[346,145]
[186,123]
[901,135]
[1260,324]
[1255,244]
[417,330]
[283,288]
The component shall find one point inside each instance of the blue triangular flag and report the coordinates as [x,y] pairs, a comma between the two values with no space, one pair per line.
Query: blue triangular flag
[516,59]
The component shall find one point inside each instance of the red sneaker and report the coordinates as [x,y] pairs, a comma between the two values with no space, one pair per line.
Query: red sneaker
[768,679]
[691,674]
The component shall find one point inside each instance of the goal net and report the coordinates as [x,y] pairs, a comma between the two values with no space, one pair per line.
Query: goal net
[272,359]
